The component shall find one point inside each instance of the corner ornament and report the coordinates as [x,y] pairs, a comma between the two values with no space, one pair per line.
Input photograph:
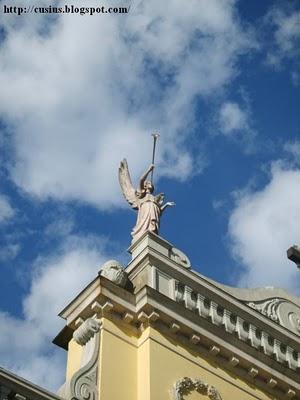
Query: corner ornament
[187,385]
[84,383]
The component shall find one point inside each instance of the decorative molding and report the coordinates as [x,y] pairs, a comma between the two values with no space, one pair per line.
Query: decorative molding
[174,328]
[195,339]
[233,362]
[128,317]
[187,385]
[214,350]
[253,372]
[100,309]
[281,311]
[272,382]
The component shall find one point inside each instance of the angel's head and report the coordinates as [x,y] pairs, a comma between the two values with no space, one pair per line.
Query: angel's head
[148,187]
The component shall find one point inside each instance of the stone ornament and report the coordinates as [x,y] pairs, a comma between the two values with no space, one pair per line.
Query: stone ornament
[86,331]
[187,385]
[289,316]
[267,308]
[180,258]
[84,383]
[284,312]
[115,272]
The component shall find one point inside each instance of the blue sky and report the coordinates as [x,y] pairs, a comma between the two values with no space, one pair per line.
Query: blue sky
[218,79]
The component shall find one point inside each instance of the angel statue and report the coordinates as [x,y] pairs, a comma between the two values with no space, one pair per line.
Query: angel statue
[150,207]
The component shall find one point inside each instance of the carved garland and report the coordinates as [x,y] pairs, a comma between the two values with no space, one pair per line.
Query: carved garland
[187,385]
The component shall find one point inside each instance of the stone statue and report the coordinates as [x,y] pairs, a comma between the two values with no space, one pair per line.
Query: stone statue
[150,207]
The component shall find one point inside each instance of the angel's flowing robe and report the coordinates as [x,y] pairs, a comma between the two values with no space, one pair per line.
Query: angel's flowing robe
[148,216]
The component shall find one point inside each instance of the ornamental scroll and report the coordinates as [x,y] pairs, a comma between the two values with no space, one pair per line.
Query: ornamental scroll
[281,311]
[84,383]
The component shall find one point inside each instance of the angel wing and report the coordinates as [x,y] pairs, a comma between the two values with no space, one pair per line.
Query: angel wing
[126,185]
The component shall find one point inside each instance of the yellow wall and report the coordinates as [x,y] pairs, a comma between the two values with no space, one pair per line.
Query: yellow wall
[118,363]
[147,367]
[170,361]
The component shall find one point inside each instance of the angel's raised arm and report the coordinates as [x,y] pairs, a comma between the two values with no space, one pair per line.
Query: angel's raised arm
[144,177]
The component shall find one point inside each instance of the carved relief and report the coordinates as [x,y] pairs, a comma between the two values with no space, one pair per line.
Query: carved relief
[84,383]
[267,308]
[179,257]
[289,316]
[187,385]
[281,311]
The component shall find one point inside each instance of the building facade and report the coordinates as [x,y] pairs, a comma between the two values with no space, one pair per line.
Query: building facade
[160,331]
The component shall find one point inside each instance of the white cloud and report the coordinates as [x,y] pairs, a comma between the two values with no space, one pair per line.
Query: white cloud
[91,90]
[293,148]
[287,33]
[263,225]
[6,210]
[9,251]
[60,227]
[232,119]
[286,26]
[218,204]
[295,76]
[25,343]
